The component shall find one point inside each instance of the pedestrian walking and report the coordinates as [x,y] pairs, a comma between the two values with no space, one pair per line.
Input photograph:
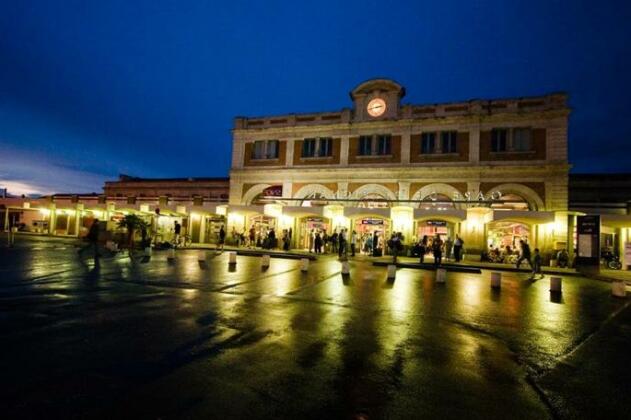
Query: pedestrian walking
[437,248]
[334,241]
[353,243]
[448,246]
[177,229]
[93,242]
[222,238]
[252,238]
[536,264]
[524,254]
[458,244]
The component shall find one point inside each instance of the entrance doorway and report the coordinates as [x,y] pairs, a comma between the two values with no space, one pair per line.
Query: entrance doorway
[309,226]
[373,234]
[430,228]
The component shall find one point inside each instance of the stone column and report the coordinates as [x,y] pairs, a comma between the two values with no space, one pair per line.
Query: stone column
[474,144]
[344,145]
[289,153]
[404,192]
[405,149]
[238,150]
[288,186]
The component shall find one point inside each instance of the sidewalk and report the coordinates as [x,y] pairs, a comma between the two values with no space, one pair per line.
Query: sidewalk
[471,266]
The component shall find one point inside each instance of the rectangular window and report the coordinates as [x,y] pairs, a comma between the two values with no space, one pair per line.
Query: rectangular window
[258,151]
[365,145]
[272,149]
[325,147]
[384,146]
[499,139]
[428,143]
[308,147]
[522,139]
[448,140]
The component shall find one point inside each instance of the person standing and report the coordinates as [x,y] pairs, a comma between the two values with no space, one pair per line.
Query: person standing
[353,243]
[93,241]
[252,238]
[437,248]
[334,241]
[177,229]
[341,243]
[311,241]
[222,238]
[536,264]
[318,243]
[448,245]
[458,244]
[524,254]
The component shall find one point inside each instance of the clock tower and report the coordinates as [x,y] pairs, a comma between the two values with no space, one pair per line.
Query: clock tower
[376,99]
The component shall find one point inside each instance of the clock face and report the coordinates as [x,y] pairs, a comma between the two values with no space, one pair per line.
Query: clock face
[376,107]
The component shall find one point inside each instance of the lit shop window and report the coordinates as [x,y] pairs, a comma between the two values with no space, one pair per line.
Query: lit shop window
[265,149]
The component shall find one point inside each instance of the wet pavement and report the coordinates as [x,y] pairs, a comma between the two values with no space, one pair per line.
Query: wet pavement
[151,338]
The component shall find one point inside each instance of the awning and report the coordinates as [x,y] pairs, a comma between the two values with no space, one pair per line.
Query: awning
[524,216]
[449,215]
[300,211]
[237,208]
[616,220]
[366,212]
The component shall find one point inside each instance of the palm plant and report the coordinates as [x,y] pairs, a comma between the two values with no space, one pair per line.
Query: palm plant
[132,223]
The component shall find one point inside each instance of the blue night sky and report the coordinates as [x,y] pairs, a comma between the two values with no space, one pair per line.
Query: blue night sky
[91,89]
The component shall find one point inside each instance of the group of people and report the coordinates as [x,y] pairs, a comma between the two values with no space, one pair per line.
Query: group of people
[341,243]
[439,248]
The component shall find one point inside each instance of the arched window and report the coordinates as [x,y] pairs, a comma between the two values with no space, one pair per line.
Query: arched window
[437,202]
[370,201]
[511,202]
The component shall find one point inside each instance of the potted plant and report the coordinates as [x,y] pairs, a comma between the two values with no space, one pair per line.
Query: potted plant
[132,223]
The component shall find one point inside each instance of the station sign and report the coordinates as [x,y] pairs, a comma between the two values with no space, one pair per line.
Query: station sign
[372,221]
[438,223]
[273,191]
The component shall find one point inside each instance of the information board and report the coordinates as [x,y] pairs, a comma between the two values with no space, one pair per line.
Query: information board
[588,232]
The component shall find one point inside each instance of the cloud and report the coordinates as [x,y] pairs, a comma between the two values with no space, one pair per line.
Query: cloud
[24,174]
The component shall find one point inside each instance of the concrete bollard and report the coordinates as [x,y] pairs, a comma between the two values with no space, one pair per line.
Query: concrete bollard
[441,275]
[392,271]
[304,264]
[265,261]
[618,288]
[556,284]
[496,280]
[148,251]
[171,254]
[232,257]
[201,256]
[346,268]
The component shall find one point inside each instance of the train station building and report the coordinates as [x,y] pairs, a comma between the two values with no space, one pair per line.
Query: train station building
[493,171]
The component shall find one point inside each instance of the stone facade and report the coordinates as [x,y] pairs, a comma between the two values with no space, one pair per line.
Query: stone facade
[536,171]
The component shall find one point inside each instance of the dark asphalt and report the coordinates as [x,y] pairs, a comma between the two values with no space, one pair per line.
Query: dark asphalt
[153,339]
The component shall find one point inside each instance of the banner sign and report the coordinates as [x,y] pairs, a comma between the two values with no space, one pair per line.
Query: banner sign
[273,191]
[372,221]
[436,223]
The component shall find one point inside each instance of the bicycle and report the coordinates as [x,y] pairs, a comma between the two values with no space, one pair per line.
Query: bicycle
[184,241]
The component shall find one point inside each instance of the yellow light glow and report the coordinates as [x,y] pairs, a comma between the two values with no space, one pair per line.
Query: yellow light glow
[222,210]
[273,210]
[196,216]
[44,212]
